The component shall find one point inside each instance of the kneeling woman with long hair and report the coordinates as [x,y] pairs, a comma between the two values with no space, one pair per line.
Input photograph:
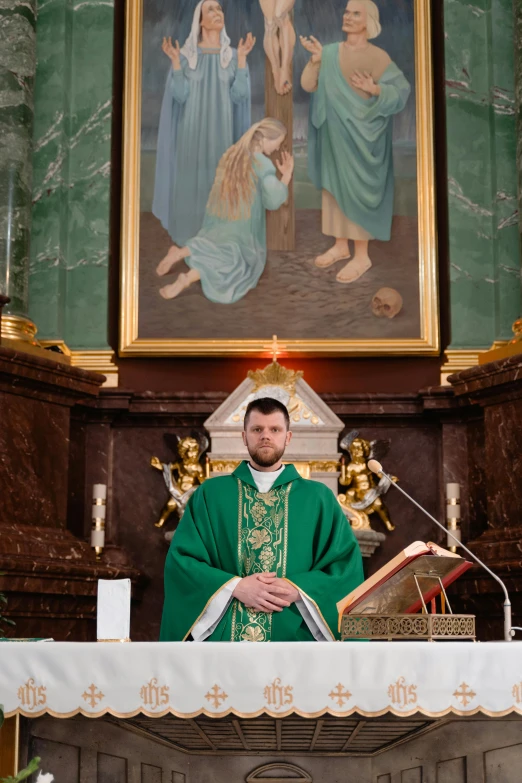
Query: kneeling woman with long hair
[228,255]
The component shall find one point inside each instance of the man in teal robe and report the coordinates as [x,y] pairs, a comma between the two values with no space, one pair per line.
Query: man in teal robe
[356,89]
[262,554]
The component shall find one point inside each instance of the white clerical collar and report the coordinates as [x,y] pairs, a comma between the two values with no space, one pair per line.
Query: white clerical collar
[265,479]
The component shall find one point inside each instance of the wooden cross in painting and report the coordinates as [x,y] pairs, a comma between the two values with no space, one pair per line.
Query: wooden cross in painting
[279,43]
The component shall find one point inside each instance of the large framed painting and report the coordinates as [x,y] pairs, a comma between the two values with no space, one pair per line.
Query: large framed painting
[278,178]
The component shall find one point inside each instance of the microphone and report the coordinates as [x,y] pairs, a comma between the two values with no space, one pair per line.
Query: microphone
[509,630]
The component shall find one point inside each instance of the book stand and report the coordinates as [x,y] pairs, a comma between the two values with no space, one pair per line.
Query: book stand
[411,627]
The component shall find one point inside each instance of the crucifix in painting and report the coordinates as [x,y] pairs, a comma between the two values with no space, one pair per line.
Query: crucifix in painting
[279,42]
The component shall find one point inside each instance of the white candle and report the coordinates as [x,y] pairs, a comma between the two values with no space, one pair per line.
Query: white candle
[99,492]
[113,618]
[453,514]
[453,491]
[97,537]
[99,511]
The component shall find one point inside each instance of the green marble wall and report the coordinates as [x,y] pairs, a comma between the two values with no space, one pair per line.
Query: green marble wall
[72,139]
[518,104]
[69,241]
[17,69]
[484,252]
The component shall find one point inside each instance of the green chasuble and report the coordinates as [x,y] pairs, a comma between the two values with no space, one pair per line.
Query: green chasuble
[229,529]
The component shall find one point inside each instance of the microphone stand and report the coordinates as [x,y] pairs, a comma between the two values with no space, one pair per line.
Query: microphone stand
[509,631]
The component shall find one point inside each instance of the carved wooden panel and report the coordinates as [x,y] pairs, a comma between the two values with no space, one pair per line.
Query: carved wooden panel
[452,771]
[111,769]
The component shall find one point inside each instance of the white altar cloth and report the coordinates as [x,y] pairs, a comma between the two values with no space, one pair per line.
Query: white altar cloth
[247,680]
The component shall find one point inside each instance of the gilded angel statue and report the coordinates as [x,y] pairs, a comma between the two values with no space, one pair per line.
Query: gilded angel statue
[363,493]
[183,477]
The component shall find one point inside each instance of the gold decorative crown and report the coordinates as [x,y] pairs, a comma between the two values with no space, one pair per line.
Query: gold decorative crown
[275,374]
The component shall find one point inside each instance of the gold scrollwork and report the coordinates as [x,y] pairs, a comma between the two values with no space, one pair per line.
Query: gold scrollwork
[223,465]
[262,547]
[325,466]
[275,374]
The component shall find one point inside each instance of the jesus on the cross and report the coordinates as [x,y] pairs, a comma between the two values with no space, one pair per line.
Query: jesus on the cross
[279,41]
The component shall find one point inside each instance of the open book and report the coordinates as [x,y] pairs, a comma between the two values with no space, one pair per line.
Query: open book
[393,588]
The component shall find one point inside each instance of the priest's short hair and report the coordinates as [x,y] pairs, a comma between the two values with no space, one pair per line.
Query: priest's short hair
[266,406]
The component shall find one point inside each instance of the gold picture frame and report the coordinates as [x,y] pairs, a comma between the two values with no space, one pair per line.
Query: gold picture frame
[130,344]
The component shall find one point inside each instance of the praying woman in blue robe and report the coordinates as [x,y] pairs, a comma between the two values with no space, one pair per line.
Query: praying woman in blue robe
[205,109]
[228,255]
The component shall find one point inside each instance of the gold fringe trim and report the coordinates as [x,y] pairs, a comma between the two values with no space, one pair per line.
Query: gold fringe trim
[270,713]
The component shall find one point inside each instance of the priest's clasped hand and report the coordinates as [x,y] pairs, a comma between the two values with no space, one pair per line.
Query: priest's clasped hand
[265,592]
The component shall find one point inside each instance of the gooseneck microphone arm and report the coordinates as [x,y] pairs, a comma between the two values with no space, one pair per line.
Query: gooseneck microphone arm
[376,467]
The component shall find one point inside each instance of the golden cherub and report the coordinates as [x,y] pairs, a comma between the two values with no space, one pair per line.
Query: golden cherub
[183,477]
[364,494]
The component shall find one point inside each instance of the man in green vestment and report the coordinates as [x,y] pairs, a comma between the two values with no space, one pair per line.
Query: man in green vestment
[262,554]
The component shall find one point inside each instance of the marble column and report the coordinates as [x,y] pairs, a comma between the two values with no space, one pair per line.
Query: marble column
[17,70]
[517,7]
[69,266]
[484,254]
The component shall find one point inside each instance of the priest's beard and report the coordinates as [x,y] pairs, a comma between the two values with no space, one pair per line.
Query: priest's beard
[264,457]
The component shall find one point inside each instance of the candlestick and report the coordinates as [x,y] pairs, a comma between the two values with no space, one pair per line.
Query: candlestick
[99,508]
[453,513]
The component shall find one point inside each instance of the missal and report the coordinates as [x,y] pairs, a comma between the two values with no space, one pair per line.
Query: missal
[396,587]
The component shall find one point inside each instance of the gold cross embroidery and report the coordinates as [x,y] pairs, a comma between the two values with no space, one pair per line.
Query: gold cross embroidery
[216,695]
[92,695]
[340,695]
[464,695]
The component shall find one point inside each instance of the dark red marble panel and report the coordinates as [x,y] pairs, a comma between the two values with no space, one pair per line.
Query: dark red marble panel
[34,437]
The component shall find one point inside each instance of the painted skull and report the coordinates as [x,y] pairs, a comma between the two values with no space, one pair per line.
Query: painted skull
[386,303]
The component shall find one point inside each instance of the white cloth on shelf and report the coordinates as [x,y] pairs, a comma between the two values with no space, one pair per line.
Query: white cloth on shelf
[113,609]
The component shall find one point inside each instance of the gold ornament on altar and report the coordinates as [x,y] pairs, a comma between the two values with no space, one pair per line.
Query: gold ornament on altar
[275,375]
[363,494]
[183,477]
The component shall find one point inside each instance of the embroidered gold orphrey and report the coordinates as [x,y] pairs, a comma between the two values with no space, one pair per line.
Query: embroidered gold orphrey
[262,547]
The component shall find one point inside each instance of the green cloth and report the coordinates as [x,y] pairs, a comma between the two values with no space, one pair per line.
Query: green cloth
[229,529]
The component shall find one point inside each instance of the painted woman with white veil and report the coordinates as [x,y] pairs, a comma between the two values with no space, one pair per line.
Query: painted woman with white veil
[206,109]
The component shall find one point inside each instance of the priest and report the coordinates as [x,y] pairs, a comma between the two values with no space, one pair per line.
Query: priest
[262,554]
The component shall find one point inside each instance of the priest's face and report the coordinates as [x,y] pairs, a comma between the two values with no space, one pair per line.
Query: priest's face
[266,439]
[212,17]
